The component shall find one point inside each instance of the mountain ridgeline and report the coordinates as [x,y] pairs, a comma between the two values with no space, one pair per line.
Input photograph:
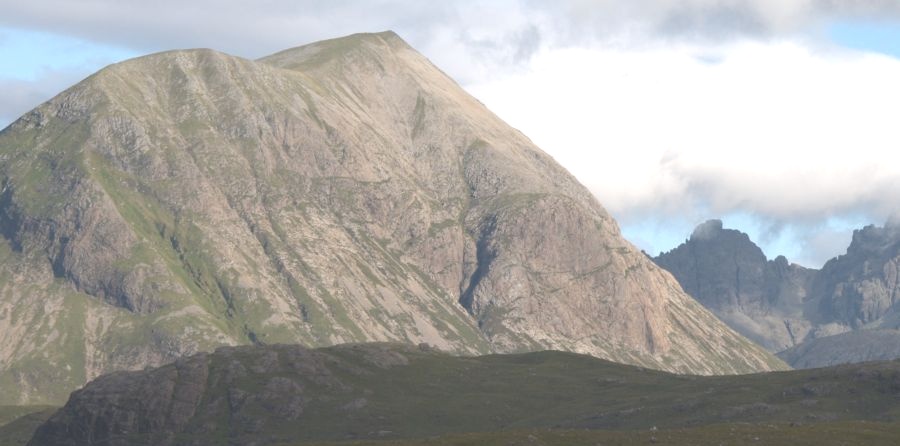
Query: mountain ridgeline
[343,191]
[730,275]
[844,312]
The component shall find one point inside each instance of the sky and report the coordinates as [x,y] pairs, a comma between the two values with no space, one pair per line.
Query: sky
[776,116]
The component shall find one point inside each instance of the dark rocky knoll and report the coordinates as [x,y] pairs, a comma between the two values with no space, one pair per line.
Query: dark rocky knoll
[290,394]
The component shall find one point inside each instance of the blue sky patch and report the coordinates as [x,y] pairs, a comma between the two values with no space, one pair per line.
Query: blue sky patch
[809,244]
[27,55]
[879,37]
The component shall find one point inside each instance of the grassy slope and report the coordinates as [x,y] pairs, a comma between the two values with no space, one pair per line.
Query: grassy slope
[819,434]
[442,394]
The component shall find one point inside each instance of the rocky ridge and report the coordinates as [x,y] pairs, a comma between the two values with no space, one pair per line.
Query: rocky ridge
[786,306]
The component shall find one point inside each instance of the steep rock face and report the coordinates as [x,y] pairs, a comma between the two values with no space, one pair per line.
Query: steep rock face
[860,288]
[726,272]
[343,191]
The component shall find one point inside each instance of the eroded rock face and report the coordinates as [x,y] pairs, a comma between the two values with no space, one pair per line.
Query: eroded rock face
[342,191]
[861,287]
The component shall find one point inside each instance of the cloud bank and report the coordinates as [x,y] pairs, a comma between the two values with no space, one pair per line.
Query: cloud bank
[786,132]
[496,32]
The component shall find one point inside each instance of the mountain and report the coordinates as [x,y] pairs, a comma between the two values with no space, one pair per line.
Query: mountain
[788,307]
[292,395]
[726,272]
[343,191]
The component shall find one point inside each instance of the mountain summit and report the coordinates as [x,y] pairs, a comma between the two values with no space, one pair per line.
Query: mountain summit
[343,191]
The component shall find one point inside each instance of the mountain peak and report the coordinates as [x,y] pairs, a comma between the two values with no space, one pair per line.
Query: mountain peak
[729,274]
[317,53]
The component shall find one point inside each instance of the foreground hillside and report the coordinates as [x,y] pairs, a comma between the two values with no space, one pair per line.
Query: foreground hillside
[343,191]
[289,394]
[738,434]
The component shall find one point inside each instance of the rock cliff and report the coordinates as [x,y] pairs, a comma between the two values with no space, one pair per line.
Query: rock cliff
[859,289]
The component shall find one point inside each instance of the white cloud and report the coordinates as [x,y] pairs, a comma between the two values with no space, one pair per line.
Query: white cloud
[781,129]
[484,31]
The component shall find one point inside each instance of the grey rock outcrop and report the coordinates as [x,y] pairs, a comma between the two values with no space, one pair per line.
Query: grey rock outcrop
[860,288]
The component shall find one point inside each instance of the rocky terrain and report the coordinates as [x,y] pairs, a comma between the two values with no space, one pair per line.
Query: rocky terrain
[785,306]
[293,395]
[342,191]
